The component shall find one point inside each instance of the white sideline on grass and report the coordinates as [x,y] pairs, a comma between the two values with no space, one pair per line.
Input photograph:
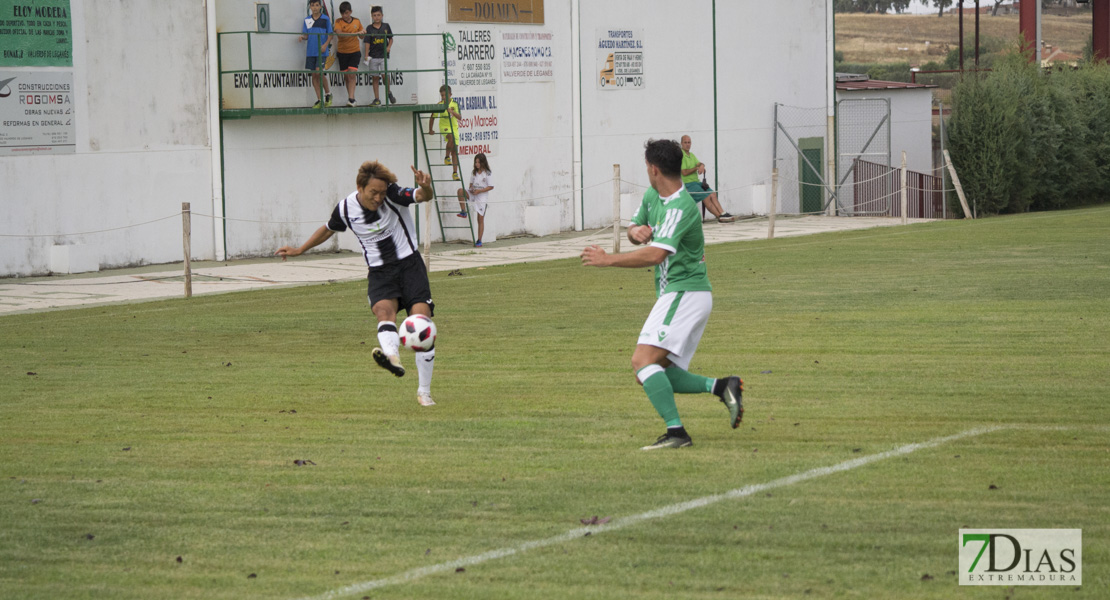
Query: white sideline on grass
[665,511]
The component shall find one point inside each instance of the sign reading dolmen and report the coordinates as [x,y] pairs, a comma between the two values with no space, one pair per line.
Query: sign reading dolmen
[515,12]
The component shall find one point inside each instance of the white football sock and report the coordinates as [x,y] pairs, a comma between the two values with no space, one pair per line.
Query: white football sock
[388,338]
[425,363]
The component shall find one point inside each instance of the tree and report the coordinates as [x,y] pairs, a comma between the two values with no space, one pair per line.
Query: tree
[997,3]
[871,6]
[941,5]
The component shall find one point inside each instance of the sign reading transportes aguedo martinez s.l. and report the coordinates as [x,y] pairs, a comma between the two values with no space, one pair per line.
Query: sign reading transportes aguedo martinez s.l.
[620,58]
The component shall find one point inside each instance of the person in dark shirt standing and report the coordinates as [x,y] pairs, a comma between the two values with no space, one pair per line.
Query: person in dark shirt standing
[378,42]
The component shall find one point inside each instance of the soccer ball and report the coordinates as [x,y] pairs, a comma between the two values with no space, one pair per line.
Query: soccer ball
[418,333]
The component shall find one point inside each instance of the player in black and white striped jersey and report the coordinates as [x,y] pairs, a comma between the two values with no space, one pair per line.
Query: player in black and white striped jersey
[377,212]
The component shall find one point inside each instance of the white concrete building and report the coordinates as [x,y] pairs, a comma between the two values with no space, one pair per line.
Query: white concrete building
[149,130]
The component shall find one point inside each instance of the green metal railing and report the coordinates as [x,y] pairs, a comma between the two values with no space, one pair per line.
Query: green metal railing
[444,202]
[250,71]
[419,111]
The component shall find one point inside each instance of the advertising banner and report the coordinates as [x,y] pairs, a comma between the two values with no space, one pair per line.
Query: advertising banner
[36,113]
[620,59]
[527,56]
[35,33]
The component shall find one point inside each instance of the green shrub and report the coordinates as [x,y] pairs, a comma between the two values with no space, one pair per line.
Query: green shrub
[990,49]
[1022,139]
[880,71]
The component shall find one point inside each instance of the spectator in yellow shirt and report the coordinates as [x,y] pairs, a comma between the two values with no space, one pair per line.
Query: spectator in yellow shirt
[449,128]
[691,168]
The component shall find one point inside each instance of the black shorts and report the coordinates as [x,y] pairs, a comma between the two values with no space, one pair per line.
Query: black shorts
[405,281]
[349,61]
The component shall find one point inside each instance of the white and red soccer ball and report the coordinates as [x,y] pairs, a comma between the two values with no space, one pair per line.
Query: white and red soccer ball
[418,333]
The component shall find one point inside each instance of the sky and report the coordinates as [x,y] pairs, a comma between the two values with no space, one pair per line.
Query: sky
[919,7]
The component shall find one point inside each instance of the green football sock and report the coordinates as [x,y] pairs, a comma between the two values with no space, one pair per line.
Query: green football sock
[659,391]
[685,382]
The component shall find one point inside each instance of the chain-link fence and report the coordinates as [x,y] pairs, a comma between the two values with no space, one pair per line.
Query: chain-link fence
[863,136]
[800,153]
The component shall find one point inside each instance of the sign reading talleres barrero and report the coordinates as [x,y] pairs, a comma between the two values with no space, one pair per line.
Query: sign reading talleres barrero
[35,33]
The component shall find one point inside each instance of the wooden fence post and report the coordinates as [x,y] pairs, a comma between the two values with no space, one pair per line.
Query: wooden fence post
[616,209]
[959,188]
[903,187]
[774,203]
[187,244]
[428,233]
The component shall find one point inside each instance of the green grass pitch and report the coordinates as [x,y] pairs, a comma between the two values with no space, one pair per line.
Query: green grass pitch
[148,449]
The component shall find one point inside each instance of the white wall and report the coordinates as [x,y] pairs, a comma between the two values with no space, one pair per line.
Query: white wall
[293,169]
[144,123]
[767,52]
[142,143]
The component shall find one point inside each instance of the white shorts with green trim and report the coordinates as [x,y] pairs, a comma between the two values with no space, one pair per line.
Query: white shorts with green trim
[676,323]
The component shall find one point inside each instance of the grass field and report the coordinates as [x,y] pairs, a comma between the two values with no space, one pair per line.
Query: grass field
[881,38]
[149,448]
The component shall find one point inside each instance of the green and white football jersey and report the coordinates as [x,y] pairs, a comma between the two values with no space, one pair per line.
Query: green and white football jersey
[675,227]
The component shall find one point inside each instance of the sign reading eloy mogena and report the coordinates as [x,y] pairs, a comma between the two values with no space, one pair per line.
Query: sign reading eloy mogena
[35,33]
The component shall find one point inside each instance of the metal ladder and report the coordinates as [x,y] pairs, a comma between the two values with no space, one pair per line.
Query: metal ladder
[440,172]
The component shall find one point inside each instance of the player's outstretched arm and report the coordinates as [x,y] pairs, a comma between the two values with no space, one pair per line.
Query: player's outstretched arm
[424,181]
[594,256]
[320,236]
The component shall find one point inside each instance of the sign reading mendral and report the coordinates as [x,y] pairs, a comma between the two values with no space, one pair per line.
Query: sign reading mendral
[1021,557]
[516,12]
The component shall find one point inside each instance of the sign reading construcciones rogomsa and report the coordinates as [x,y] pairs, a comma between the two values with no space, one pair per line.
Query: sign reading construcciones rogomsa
[36,113]
[35,33]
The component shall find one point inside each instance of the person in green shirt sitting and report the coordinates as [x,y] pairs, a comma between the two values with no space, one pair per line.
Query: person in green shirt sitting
[691,168]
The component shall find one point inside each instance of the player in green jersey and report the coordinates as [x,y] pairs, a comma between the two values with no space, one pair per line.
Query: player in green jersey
[668,222]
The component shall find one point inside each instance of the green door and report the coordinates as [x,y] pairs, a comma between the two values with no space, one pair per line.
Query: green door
[811,187]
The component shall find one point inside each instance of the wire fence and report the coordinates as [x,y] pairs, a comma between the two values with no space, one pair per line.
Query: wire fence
[799,156]
[177,215]
[863,135]
[877,191]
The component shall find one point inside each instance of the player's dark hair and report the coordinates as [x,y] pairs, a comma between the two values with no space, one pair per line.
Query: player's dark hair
[445,88]
[344,7]
[311,2]
[665,155]
[481,157]
[374,9]
[373,169]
